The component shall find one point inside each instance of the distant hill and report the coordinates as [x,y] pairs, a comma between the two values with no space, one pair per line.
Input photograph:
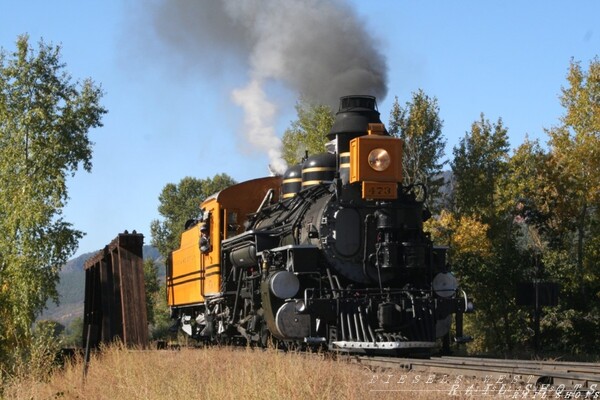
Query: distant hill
[71,287]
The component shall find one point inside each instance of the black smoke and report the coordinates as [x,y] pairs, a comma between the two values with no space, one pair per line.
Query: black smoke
[320,49]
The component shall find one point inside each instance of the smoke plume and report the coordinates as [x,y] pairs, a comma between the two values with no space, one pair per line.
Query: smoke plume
[318,48]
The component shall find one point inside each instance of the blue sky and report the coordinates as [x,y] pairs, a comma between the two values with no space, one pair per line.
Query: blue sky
[506,59]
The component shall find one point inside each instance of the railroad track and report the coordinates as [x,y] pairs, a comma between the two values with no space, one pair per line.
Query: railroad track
[471,377]
[553,375]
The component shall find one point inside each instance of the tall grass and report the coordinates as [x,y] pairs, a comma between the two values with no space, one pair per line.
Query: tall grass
[216,373]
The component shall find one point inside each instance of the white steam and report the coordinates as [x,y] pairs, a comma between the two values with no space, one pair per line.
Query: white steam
[259,122]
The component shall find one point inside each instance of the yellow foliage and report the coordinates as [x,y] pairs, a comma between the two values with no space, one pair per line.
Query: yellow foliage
[471,237]
[465,235]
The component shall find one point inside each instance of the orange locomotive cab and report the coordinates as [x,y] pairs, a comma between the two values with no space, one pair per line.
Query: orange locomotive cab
[194,270]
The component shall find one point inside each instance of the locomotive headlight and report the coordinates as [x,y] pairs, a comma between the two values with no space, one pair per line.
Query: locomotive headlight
[445,284]
[379,159]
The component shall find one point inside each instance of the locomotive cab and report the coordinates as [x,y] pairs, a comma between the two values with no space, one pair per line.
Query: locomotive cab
[193,272]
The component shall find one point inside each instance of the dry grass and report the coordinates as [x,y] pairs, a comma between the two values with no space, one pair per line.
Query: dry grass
[225,373]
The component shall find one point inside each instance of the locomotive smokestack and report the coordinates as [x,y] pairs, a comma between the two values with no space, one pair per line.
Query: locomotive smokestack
[353,119]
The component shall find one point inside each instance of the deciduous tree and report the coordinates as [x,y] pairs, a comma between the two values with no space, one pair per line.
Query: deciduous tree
[420,126]
[479,161]
[45,119]
[575,148]
[308,133]
[556,191]
[479,168]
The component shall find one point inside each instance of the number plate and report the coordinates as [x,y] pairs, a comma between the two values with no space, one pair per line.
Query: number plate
[379,190]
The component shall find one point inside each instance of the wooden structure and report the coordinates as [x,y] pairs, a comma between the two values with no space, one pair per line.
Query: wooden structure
[115,301]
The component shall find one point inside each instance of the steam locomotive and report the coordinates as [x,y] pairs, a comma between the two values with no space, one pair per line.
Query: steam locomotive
[332,253]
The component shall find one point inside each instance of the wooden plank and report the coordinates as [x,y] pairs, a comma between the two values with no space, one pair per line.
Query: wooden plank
[133,301]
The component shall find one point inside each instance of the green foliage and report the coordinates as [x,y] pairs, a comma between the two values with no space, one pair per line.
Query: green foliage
[563,209]
[152,287]
[73,334]
[308,133]
[525,183]
[156,302]
[44,124]
[38,359]
[161,328]
[479,168]
[575,146]
[488,263]
[479,161]
[540,207]
[420,126]
[180,203]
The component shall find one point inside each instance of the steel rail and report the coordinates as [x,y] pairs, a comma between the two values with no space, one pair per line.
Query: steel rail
[556,373]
